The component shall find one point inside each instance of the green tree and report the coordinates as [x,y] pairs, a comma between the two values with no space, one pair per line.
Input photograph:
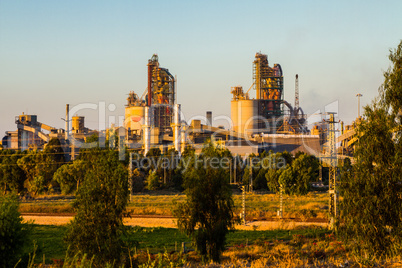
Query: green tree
[260,181]
[101,199]
[305,170]
[29,163]
[153,181]
[69,176]
[276,163]
[391,90]
[207,213]
[286,180]
[39,167]
[372,201]
[371,207]
[13,232]
[12,177]
[272,177]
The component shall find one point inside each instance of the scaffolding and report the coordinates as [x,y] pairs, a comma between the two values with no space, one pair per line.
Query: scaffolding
[268,83]
[161,94]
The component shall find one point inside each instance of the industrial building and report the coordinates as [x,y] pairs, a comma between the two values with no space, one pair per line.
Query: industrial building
[30,134]
[268,112]
[34,135]
[266,122]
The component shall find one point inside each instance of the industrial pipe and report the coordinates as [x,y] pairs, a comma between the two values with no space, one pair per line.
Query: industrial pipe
[147,131]
[149,83]
[176,128]
[67,120]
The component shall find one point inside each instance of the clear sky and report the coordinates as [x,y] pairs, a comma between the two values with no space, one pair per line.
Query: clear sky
[58,52]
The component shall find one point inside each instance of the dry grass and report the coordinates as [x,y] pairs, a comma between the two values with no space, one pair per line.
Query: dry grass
[46,207]
[308,252]
[300,252]
[259,206]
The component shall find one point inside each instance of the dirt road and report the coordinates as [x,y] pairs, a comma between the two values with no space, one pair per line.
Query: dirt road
[168,222]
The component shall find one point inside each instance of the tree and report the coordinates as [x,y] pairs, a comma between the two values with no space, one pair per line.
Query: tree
[153,180]
[28,163]
[13,232]
[207,213]
[276,163]
[305,170]
[371,210]
[391,91]
[12,177]
[286,180]
[69,176]
[260,181]
[295,176]
[39,167]
[272,177]
[100,203]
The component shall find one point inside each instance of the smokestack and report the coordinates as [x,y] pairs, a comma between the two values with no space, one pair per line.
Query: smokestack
[147,130]
[176,128]
[149,83]
[209,118]
[183,137]
[67,120]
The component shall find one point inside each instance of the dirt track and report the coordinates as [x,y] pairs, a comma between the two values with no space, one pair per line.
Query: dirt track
[168,222]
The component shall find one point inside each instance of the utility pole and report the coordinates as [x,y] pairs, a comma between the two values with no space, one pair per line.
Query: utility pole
[243,214]
[251,179]
[332,161]
[235,167]
[130,175]
[280,201]
[230,173]
[358,95]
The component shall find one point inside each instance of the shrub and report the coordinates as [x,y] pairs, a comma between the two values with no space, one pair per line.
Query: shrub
[13,231]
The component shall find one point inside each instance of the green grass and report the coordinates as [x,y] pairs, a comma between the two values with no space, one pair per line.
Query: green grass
[49,242]
[49,239]
[157,239]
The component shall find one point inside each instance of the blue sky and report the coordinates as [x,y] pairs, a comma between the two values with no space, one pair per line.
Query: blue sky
[58,52]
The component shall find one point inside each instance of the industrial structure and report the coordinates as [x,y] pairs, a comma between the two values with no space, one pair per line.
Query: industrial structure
[30,134]
[153,119]
[268,112]
[34,135]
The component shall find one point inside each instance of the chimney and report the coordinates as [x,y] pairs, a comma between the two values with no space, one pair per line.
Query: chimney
[209,118]
[67,120]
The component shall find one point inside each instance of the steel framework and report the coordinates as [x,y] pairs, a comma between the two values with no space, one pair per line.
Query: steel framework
[161,94]
[331,160]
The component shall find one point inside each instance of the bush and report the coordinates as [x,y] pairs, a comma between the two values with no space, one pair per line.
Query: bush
[13,231]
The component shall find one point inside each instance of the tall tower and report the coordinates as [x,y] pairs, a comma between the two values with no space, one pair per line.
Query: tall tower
[160,94]
[268,83]
[297,92]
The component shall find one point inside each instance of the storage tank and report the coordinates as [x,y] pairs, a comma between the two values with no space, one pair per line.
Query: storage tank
[243,114]
[134,118]
[78,124]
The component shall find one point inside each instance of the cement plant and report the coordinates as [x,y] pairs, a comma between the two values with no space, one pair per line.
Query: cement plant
[153,120]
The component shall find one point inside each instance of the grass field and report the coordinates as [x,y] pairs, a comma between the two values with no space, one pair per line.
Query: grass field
[161,247]
[258,205]
[49,239]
